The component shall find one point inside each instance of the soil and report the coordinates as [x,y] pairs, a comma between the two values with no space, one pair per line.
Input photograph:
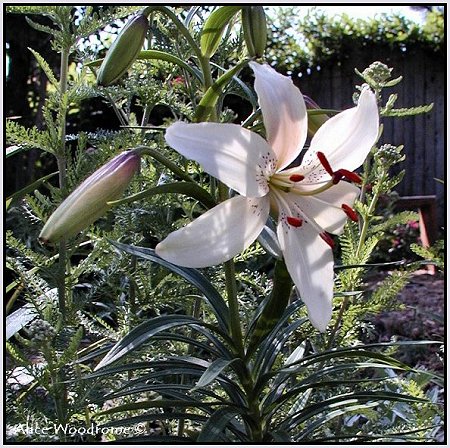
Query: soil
[422,318]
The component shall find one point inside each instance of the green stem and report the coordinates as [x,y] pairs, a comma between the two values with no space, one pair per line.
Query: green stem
[57,389]
[165,161]
[62,167]
[366,221]
[233,305]
[181,28]
[60,392]
[362,239]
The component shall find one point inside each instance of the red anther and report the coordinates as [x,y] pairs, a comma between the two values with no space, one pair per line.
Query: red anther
[337,176]
[350,175]
[296,178]
[323,160]
[350,212]
[327,238]
[294,222]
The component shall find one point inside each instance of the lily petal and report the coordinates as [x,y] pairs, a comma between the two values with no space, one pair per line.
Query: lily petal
[241,159]
[309,261]
[284,113]
[217,235]
[326,208]
[346,138]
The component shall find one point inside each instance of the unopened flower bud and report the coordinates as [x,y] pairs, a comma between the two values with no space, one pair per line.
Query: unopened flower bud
[40,331]
[88,202]
[123,51]
[314,120]
[255,29]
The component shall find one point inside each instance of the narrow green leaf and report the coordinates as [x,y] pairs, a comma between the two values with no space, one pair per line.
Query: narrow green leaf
[142,333]
[149,404]
[186,188]
[216,424]
[168,57]
[158,156]
[209,100]
[268,353]
[214,27]
[213,371]
[272,341]
[249,93]
[28,189]
[18,319]
[280,436]
[331,415]
[342,401]
[163,390]
[275,306]
[269,241]
[193,276]
[149,416]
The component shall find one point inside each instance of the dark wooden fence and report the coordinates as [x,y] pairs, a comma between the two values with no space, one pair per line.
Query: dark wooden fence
[331,85]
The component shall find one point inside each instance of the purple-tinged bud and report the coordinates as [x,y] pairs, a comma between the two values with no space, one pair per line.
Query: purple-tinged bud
[124,51]
[314,120]
[89,201]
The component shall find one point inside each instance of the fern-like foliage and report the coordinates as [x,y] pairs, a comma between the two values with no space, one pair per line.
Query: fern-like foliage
[434,254]
[407,111]
[28,137]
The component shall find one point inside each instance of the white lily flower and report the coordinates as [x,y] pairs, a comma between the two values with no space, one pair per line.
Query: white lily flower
[310,200]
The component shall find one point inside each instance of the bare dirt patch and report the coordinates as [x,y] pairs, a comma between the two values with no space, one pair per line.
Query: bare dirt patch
[422,318]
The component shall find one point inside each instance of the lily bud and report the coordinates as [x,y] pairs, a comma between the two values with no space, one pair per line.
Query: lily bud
[124,51]
[255,29]
[314,121]
[88,202]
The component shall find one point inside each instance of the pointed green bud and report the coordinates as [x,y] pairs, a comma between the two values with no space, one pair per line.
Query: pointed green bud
[88,202]
[124,51]
[214,28]
[254,26]
[314,120]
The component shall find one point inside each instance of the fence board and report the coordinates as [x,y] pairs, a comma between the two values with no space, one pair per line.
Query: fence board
[423,136]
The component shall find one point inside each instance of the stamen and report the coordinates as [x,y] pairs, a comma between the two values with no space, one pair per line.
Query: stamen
[351,176]
[327,238]
[294,222]
[323,160]
[296,178]
[350,212]
[337,176]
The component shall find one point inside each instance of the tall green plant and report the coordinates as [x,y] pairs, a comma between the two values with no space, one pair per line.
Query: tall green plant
[230,356]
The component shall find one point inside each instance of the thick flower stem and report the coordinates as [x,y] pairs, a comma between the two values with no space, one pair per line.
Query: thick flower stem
[274,308]
[235,326]
[230,275]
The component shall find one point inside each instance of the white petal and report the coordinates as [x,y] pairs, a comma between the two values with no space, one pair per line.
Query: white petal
[326,208]
[217,235]
[238,157]
[284,113]
[309,261]
[346,138]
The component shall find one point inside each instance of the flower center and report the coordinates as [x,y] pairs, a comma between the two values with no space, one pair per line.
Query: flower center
[287,182]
